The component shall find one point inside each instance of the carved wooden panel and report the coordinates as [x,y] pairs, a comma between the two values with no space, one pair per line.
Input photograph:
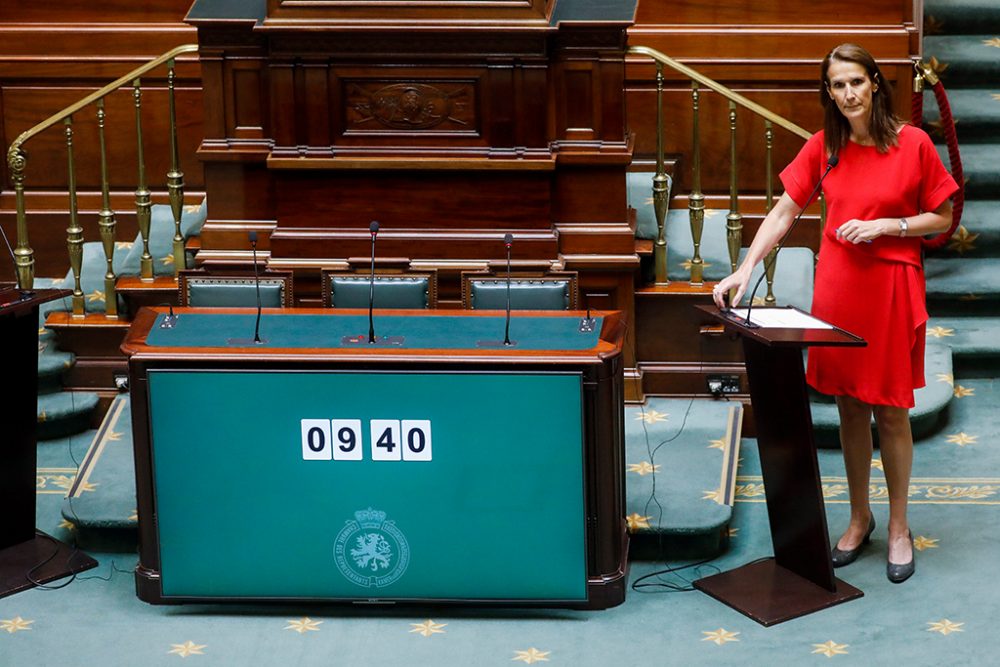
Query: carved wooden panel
[418,105]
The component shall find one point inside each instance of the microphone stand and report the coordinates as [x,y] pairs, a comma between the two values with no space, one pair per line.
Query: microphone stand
[256,281]
[508,241]
[830,164]
[373,228]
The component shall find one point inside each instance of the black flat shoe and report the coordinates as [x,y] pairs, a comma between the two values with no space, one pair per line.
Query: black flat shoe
[840,558]
[898,573]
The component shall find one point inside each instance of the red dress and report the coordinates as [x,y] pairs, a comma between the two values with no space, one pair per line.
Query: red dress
[875,290]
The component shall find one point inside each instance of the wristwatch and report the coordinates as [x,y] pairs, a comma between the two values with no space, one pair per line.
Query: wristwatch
[903,227]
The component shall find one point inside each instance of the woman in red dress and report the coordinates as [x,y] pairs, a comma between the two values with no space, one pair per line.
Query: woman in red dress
[887,190]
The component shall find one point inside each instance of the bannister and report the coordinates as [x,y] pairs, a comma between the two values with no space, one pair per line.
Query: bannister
[696,199]
[17,162]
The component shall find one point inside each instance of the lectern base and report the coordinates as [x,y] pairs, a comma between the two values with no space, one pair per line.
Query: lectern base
[17,560]
[771,594]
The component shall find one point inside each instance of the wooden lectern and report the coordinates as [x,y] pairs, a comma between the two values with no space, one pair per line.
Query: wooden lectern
[27,557]
[799,579]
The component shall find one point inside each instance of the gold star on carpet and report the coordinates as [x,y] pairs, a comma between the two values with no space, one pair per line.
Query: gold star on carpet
[192,208]
[969,297]
[962,439]
[720,636]
[124,245]
[992,42]
[532,655]
[41,331]
[962,240]
[940,332]
[944,626]
[68,525]
[635,522]
[933,26]
[920,543]
[995,96]
[428,628]
[644,468]
[303,625]
[717,444]
[946,377]
[187,648]
[15,624]
[760,301]
[830,649]
[648,201]
[134,516]
[168,260]
[96,295]
[877,464]
[42,347]
[114,436]
[962,392]
[733,532]
[42,416]
[652,416]
[715,495]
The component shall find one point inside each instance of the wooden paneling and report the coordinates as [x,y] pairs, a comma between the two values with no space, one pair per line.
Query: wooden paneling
[51,57]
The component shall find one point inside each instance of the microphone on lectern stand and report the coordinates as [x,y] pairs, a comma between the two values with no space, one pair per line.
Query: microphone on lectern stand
[830,164]
[508,241]
[373,228]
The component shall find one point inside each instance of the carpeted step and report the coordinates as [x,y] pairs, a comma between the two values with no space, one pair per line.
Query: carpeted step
[51,365]
[974,342]
[981,238]
[681,458]
[976,112]
[103,494]
[956,17]
[64,413]
[979,164]
[926,415]
[962,285]
[971,59]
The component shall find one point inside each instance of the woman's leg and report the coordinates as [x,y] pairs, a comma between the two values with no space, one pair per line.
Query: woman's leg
[856,443]
[896,445]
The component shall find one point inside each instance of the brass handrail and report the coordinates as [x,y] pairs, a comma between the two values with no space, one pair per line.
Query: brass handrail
[734,220]
[17,162]
[720,89]
[103,92]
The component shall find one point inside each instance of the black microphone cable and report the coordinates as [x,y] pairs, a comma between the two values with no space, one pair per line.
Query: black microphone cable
[373,228]
[508,241]
[256,280]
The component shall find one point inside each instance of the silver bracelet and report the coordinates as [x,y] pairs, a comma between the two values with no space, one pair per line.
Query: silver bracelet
[903,227]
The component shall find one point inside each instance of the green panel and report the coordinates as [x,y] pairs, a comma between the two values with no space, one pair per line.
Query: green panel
[498,513]
[452,332]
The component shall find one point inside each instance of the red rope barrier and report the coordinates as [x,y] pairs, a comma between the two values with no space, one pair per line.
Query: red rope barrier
[951,139]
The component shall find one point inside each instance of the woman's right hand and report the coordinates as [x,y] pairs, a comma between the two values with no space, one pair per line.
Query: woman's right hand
[739,280]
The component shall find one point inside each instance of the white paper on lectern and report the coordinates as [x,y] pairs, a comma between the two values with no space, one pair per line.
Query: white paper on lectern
[781,318]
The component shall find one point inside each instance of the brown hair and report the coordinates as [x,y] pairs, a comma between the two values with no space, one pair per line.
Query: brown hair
[883,124]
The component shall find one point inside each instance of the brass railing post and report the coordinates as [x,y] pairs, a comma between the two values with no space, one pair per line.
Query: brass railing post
[175,177]
[696,200]
[734,221]
[142,194]
[24,256]
[660,188]
[74,233]
[772,257]
[106,221]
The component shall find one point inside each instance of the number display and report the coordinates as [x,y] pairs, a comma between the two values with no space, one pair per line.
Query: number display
[388,440]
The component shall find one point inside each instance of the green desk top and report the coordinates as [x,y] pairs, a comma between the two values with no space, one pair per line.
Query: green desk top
[413,332]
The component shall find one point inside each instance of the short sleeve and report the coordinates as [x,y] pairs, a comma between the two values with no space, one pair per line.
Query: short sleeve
[936,184]
[802,173]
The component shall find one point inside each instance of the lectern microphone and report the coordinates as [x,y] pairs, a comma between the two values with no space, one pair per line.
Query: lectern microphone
[257,340]
[830,164]
[508,241]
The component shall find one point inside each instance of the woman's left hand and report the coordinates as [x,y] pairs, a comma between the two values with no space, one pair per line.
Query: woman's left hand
[861,231]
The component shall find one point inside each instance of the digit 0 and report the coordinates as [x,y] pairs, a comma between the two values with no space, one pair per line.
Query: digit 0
[316,439]
[416,440]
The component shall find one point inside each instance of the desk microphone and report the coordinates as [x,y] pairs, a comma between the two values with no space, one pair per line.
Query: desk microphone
[373,228]
[830,164]
[508,241]
[256,282]
[257,340]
